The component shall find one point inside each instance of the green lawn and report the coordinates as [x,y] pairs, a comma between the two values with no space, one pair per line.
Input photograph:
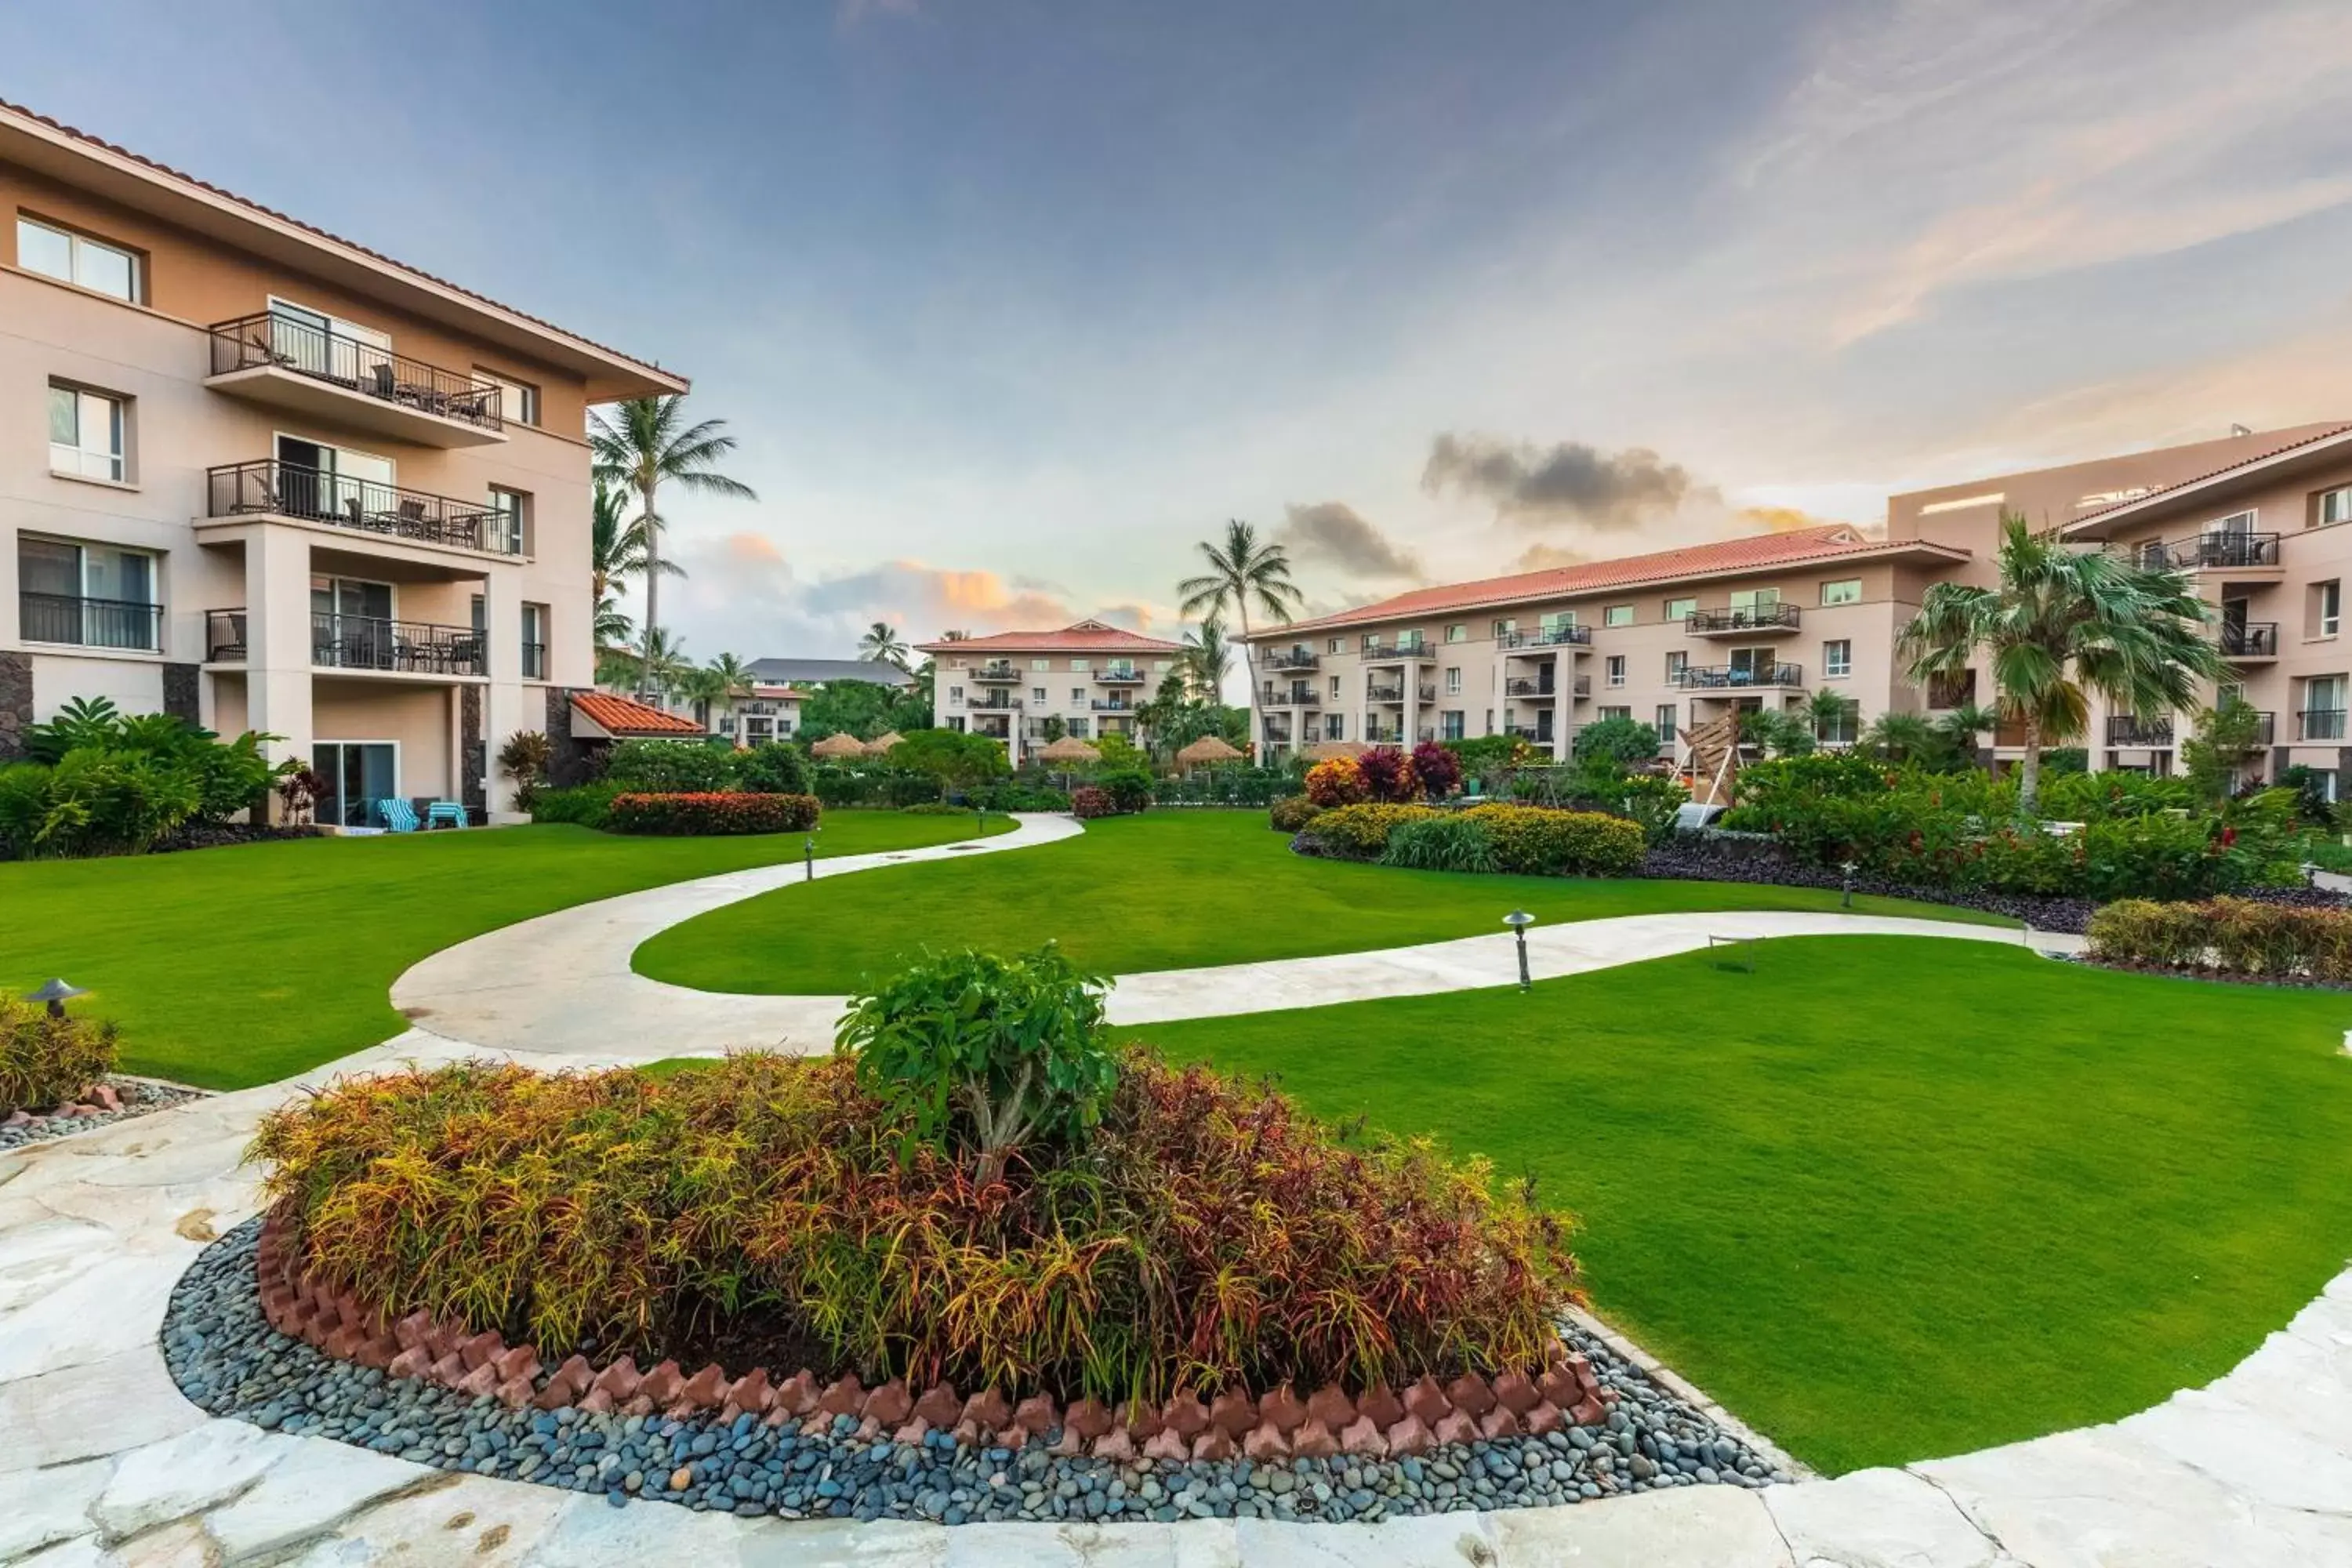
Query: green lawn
[1886,1198]
[238,966]
[1164,890]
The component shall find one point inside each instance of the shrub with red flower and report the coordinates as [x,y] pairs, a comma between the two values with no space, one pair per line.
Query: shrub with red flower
[1387,775]
[712,813]
[1438,768]
[1088,801]
[1339,781]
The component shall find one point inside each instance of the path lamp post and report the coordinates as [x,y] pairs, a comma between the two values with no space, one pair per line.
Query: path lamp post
[1845,901]
[1519,921]
[808,858]
[56,993]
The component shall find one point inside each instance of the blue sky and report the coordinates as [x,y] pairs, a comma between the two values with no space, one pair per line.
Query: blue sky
[1011,303]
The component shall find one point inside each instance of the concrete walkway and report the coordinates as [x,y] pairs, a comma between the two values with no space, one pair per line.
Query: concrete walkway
[101,1461]
[561,985]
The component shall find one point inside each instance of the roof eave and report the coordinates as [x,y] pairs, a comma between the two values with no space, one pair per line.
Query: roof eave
[87,163]
[2316,453]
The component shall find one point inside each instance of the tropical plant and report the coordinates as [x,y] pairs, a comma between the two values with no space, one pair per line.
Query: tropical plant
[1336,782]
[524,759]
[641,445]
[984,1054]
[1208,658]
[46,1062]
[2227,741]
[1291,813]
[958,761]
[1537,841]
[659,766]
[617,542]
[1625,740]
[702,814]
[1387,775]
[613,629]
[1899,737]
[1242,572]
[772,767]
[1781,734]
[1959,729]
[2062,625]
[1831,715]
[1441,844]
[1438,770]
[883,644]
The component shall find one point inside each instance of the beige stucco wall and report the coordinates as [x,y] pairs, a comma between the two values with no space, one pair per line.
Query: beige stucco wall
[1068,683]
[417,718]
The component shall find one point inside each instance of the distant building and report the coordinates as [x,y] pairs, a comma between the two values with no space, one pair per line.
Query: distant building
[770,712]
[1012,686]
[816,671]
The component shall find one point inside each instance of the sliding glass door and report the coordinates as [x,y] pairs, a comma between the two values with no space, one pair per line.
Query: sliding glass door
[358,774]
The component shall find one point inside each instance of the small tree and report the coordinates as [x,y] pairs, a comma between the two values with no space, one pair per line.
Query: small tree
[2227,741]
[959,761]
[1625,740]
[985,1054]
[524,759]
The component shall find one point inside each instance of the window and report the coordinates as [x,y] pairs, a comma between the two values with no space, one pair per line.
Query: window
[1081,666]
[86,595]
[1457,632]
[1450,724]
[2322,709]
[1335,726]
[2327,607]
[1752,603]
[1038,694]
[1681,609]
[955,695]
[77,258]
[1504,628]
[1676,662]
[518,400]
[1558,621]
[1077,729]
[1077,696]
[1334,688]
[1837,659]
[1616,669]
[1845,591]
[1617,615]
[87,431]
[510,516]
[1664,725]
[1841,730]
[357,774]
[2331,506]
[1454,683]
[534,642]
[1041,663]
[1335,645]
[1616,713]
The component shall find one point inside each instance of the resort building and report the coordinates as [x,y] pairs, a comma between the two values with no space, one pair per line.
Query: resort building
[287,484]
[817,671]
[767,712]
[1029,688]
[1678,636]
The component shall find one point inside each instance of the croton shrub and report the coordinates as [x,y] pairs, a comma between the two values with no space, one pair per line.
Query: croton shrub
[1336,782]
[1536,841]
[2230,936]
[1361,832]
[712,813]
[1291,813]
[48,1062]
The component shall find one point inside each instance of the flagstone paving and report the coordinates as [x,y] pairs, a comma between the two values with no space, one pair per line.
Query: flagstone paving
[103,1461]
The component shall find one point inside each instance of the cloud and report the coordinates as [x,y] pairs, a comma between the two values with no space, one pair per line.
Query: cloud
[1542,557]
[1776,519]
[1565,482]
[1335,535]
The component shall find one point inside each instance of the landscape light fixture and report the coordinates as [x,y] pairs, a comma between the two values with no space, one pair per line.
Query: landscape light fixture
[808,858]
[56,993]
[1845,901]
[1519,921]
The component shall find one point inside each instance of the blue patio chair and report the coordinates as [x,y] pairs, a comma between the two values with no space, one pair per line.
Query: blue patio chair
[397,816]
[445,814]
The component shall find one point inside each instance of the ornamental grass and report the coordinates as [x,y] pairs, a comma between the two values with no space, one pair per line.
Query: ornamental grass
[1206,1234]
[46,1062]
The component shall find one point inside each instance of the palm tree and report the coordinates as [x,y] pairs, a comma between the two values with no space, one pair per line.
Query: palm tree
[613,627]
[729,678]
[660,664]
[616,547]
[2061,626]
[705,688]
[883,644]
[643,441]
[1898,737]
[1828,712]
[1207,659]
[1242,571]
[1961,726]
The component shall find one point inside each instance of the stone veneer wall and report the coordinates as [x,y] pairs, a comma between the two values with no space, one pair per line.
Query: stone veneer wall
[180,699]
[473,752]
[1270,1427]
[569,761]
[16,702]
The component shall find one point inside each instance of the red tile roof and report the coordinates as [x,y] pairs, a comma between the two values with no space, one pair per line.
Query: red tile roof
[622,716]
[2332,433]
[1828,541]
[1086,637]
[182,175]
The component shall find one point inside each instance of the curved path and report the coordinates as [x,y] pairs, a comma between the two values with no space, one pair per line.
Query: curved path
[103,1461]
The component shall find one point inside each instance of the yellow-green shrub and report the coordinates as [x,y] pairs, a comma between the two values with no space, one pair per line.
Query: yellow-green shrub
[1291,813]
[46,1062]
[1539,841]
[1361,832]
[2232,936]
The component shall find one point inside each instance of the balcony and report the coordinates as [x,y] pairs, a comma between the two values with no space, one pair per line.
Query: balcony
[1739,677]
[1549,636]
[296,365]
[1772,618]
[2210,552]
[1119,677]
[2266,729]
[1116,705]
[361,643]
[1296,658]
[1295,695]
[2249,639]
[998,703]
[1402,650]
[1532,691]
[997,674]
[1378,737]
[2319,724]
[1583,687]
[2124,729]
[1540,734]
[71,621]
[1384,694]
[270,489]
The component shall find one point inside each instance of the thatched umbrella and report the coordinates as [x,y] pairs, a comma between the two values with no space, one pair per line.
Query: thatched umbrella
[1069,751]
[838,747]
[1206,750]
[1333,751]
[881,745]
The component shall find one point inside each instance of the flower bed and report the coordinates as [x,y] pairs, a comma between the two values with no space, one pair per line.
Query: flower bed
[710,813]
[1522,839]
[2231,938]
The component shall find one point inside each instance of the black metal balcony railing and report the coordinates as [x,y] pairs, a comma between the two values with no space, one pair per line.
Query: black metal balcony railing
[1548,637]
[1295,658]
[1403,647]
[414,648]
[1289,697]
[2126,729]
[1116,705]
[1715,677]
[996,674]
[225,637]
[2319,724]
[365,505]
[1425,693]
[1583,686]
[1775,617]
[1118,677]
[534,661]
[1529,733]
[71,619]
[2266,729]
[2249,639]
[999,703]
[1528,689]
[2206,551]
[1384,693]
[270,340]
[1378,737]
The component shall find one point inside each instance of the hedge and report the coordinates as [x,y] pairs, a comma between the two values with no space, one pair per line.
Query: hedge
[1533,841]
[1361,832]
[710,813]
[2227,936]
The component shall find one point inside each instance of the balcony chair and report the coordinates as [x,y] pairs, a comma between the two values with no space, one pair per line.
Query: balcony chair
[397,816]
